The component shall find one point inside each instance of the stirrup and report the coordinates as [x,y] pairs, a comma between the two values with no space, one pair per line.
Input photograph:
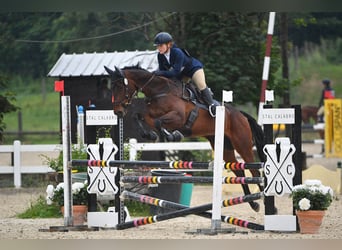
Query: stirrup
[212,110]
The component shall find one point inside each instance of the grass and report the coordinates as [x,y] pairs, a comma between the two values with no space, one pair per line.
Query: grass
[312,68]
[40,209]
[40,112]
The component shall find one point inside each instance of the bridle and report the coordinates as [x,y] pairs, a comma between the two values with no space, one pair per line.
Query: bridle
[129,95]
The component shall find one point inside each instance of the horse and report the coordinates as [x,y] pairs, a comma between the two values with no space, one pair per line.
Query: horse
[171,110]
[309,112]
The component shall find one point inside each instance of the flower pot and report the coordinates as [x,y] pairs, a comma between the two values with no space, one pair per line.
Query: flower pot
[310,221]
[79,213]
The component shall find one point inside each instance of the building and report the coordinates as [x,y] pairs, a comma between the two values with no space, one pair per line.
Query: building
[88,84]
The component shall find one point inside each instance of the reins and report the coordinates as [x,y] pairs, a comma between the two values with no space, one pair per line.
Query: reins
[148,81]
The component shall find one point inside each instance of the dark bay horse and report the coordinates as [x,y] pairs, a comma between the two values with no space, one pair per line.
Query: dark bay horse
[169,110]
[308,113]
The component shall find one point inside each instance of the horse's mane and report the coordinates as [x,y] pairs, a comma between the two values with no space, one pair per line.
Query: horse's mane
[138,67]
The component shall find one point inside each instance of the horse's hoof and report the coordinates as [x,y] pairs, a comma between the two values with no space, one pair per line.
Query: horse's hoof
[144,135]
[255,206]
[153,136]
[170,138]
[157,124]
[177,136]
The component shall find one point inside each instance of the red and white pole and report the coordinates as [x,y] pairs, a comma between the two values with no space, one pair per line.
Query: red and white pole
[267,61]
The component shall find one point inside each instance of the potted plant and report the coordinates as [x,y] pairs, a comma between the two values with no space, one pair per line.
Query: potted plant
[310,200]
[79,199]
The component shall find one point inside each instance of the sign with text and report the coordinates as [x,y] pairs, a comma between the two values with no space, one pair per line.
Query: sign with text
[278,116]
[101,117]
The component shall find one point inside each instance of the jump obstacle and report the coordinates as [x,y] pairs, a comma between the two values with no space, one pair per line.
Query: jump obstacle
[181,165]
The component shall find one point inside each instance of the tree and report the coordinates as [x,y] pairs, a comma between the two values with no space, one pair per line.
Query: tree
[231,46]
[312,27]
[24,58]
[6,104]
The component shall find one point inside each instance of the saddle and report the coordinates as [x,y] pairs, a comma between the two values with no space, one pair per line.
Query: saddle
[191,93]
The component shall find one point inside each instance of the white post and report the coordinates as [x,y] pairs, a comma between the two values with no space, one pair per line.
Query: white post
[218,167]
[17,163]
[133,149]
[66,133]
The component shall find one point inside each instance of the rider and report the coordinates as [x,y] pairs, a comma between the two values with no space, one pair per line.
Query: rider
[327,93]
[176,62]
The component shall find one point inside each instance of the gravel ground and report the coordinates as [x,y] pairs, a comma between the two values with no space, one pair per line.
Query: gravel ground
[179,228]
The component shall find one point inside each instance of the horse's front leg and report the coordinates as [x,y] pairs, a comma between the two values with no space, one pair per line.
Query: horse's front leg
[170,121]
[148,134]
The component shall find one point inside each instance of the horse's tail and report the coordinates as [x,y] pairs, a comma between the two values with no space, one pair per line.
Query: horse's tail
[258,135]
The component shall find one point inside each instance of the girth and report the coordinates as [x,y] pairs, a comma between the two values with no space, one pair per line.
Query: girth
[191,118]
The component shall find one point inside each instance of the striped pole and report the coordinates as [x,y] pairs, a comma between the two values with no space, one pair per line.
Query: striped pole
[179,165]
[138,164]
[267,61]
[176,206]
[243,165]
[143,179]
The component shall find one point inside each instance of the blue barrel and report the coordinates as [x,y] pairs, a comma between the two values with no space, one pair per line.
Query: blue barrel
[186,193]
[169,192]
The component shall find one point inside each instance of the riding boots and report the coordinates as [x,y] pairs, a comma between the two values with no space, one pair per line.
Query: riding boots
[208,99]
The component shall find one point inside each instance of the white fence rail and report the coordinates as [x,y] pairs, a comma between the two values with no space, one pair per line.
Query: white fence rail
[134,147]
[18,169]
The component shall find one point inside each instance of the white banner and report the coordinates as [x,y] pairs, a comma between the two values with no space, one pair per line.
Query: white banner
[101,117]
[278,116]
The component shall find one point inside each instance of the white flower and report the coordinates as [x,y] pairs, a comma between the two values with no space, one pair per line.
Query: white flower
[304,204]
[76,187]
[297,187]
[60,186]
[331,192]
[313,183]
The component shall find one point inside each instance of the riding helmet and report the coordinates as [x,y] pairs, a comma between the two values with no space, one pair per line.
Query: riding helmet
[162,37]
[326,81]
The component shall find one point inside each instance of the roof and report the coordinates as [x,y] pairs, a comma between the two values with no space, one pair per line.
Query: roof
[91,64]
